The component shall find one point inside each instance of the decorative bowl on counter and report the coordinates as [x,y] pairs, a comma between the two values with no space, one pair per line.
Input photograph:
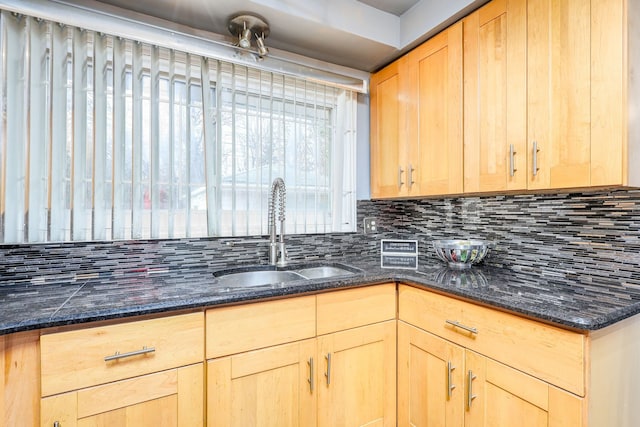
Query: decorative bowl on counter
[461,253]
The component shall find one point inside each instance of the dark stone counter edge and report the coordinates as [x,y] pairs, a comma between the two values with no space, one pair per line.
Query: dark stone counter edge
[587,323]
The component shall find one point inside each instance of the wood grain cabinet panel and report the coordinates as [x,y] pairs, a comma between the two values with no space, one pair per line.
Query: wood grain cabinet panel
[240,328]
[495,90]
[173,398]
[467,372]
[351,308]
[547,352]
[388,133]
[76,359]
[416,121]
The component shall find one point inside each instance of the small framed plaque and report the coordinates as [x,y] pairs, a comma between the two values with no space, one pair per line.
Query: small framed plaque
[399,254]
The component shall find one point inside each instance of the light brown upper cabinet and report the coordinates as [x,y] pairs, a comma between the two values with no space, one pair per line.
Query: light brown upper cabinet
[389,130]
[548,103]
[567,59]
[495,91]
[416,121]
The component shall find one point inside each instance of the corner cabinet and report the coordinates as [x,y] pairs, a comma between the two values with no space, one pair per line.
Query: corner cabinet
[325,360]
[461,364]
[147,372]
[416,121]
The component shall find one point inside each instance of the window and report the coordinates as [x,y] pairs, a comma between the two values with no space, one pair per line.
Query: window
[107,138]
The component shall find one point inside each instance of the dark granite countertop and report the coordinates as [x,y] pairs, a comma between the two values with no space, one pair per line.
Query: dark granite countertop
[583,303]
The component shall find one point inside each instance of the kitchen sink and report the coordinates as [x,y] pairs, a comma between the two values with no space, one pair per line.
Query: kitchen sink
[323,272]
[253,276]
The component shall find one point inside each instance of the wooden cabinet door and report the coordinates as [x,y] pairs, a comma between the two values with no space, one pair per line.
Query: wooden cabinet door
[388,136]
[495,97]
[497,395]
[430,379]
[559,93]
[357,377]
[435,159]
[172,398]
[273,387]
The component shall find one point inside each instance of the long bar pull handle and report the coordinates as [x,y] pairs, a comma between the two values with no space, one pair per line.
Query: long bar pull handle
[470,395]
[311,382]
[410,176]
[536,150]
[400,172]
[119,355]
[450,385]
[328,373]
[461,326]
[512,160]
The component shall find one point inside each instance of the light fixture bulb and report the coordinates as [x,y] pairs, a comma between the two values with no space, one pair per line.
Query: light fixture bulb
[245,38]
[262,49]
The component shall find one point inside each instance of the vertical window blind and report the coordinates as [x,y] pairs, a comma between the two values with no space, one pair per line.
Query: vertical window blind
[104,138]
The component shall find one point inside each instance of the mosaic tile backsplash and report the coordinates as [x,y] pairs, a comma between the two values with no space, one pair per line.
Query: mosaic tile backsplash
[595,234]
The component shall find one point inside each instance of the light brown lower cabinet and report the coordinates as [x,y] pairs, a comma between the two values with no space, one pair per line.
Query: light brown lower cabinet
[443,384]
[345,376]
[130,374]
[342,379]
[172,398]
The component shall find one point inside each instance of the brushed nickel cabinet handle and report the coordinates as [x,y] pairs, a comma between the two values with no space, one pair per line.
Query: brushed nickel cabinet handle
[450,385]
[410,176]
[328,373]
[56,424]
[536,150]
[461,326]
[400,172]
[470,395]
[117,355]
[512,160]
[310,380]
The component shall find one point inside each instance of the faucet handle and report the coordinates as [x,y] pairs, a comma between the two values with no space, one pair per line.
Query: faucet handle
[282,254]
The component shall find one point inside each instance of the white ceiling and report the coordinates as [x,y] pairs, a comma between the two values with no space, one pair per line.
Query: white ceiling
[360,34]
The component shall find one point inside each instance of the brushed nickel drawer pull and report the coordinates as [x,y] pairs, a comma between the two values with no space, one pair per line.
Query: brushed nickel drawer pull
[56,424]
[310,363]
[328,373]
[450,385]
[118,355]
[536,150]
[461,326]
[470,395]
[512,160]
[400,172]
[410,177]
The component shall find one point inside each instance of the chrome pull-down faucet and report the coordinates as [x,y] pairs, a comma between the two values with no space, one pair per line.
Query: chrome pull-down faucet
[277,251]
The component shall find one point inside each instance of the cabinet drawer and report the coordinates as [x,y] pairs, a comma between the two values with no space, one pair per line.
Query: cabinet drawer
[246,327]
[76,359]
[552,354]
[351,308]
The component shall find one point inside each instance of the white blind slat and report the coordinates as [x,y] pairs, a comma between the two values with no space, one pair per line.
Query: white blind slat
[136,125]
[79,173]
[99,226]
[119,202]
[59,226]
[37,184]
[15,125]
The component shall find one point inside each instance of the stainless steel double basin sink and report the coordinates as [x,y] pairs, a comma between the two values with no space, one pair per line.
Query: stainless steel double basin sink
[262,275]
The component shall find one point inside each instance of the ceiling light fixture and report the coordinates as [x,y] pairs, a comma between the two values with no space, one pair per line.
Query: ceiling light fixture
[245,25]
